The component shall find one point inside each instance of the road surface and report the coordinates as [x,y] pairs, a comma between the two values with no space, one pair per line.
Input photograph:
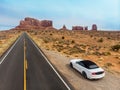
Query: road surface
[40,74]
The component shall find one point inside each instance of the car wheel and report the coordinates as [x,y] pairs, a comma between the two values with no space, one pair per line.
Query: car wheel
[71,65]
[84,75]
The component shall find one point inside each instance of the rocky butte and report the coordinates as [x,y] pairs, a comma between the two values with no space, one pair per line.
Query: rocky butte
[94,27]
[77,28]
[31,23]
[63,28]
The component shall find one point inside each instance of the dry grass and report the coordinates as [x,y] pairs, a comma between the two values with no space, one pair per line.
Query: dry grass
[6,39]
[95,46]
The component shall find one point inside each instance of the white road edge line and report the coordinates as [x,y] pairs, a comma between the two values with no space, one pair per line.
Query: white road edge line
[51,66]
[9,50]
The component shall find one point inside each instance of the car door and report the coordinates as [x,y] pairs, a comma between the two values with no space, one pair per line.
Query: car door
[79,66]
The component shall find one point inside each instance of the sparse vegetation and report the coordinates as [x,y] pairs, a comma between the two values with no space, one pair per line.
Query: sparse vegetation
[116,47]
[72,41]
[100,40]
[106,53]
[76,49]
[51,34]
[97,53]
[108,65]
[6,39]
[82,44]
[63,37]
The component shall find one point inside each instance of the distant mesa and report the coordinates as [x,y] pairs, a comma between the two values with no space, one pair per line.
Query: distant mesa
[31,23]
[34,24]
[94,27]
[79,28]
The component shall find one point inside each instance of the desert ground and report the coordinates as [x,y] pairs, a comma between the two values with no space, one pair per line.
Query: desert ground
[63,45]
[99,46]
[7,38]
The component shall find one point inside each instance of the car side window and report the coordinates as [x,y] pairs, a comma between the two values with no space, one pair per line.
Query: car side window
[80,63]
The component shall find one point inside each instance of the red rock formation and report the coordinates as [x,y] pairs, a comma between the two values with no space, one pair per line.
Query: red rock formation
[31,23]
[86,28]
[77,28]
[64,28]
[46,23]
[94,27]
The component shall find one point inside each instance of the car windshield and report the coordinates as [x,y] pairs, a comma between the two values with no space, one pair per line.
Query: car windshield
[89,64]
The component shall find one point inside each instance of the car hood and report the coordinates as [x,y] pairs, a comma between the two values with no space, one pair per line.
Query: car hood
[96,70]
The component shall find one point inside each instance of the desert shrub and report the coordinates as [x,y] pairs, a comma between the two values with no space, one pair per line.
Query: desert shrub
[76,49]
[100,40]
[72,41]
[61,42]
[51,34]
[83,46]
[91,36]
[108,38]
[97,53]
[106,53]
[108,64]
[59,48]
[94,38]
[63,37]
[116,47]
[48,39]
[64,42]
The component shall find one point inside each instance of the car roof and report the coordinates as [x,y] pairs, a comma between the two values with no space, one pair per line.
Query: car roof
[88,62]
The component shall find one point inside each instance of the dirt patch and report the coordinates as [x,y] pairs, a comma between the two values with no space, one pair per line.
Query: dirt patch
[61,62]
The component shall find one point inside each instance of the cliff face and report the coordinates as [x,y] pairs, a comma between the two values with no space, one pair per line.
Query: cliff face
[31,23]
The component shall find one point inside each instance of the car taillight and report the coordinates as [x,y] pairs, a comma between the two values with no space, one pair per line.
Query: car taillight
[93,73]
[97,73]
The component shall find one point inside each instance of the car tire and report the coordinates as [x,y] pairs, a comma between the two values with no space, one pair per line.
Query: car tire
[84,75]
[71,65]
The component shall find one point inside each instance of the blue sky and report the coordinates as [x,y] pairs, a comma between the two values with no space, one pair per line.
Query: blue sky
[104,13]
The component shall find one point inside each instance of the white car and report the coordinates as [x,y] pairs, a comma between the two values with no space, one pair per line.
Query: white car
[87,68]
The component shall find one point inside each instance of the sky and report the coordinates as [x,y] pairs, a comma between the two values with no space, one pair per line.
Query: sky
[104,13]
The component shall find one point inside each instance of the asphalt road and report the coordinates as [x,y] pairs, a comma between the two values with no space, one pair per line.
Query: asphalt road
[40,74]
[11,67]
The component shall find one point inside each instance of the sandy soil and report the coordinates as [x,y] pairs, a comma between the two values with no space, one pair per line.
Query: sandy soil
[95,46]
[61,62]
[58,45]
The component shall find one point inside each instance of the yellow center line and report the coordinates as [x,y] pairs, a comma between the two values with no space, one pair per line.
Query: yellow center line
[25,66]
